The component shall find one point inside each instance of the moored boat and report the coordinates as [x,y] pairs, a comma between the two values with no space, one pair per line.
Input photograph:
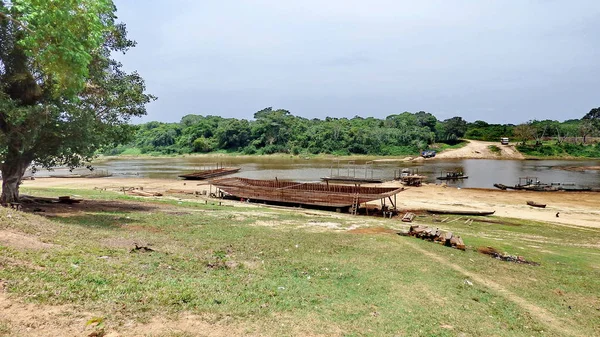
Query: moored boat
[207,174]
[536,204]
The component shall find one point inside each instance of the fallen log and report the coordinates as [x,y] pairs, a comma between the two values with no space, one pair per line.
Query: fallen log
[145,193]
[46,200]
[493,252]
[174,191]
[68,200]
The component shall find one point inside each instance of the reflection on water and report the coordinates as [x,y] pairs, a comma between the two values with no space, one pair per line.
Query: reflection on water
[481,173]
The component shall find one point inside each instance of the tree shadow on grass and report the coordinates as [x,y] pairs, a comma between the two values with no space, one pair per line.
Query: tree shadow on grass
[88,206]
[98,220]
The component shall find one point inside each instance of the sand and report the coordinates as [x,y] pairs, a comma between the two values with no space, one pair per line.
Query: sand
[477,149]
[574,208]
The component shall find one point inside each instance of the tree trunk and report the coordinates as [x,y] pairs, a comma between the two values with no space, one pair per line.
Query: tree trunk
[13,169]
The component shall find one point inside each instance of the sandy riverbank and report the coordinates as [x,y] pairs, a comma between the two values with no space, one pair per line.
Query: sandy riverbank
[477,149]
[575,208]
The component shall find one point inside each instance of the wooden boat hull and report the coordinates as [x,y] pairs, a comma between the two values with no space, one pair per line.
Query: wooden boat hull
[81,175]
[461,212]
[535,204]
[317,194]
[207,174]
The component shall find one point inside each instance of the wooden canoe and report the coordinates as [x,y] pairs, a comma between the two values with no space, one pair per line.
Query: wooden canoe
[207,174]
[536,204]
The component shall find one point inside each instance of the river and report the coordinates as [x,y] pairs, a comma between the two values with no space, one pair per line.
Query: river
[480,172]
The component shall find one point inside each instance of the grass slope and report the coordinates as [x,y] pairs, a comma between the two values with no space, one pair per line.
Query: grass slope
[289,273]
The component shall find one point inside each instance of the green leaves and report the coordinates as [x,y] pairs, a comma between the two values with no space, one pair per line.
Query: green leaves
[60,37]
[61,95]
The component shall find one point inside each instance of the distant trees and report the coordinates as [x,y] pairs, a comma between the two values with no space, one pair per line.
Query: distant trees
[451,130]
[278,131]
[524,132]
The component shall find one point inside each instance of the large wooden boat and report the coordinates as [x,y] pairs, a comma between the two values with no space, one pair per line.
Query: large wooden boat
[298,193]
[207,174]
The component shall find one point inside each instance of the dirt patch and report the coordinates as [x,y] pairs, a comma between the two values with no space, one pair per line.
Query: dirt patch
[119,243]
[323,224]
[23,241]
[6,261]
[272,223]
[373,230]
[476,149]
[24,319]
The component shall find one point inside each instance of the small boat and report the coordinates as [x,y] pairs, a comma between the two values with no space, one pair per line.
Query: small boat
[452,175]
[533,184]
[105,174]
[461,212]
[452,178]
[536,204]
[207,174]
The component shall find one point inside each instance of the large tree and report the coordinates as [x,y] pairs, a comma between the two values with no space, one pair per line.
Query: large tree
[451,130]
[62,96]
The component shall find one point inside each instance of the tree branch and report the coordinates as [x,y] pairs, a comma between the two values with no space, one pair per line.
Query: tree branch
[9,18]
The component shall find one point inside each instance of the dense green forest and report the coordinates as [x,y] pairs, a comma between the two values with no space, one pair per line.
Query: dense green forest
[278,131]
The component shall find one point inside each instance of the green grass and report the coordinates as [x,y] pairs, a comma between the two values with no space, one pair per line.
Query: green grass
[439,147]
[132,151]
[495,149]
[256,264]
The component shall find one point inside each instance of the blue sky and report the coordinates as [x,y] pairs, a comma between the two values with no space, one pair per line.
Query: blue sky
[504,61]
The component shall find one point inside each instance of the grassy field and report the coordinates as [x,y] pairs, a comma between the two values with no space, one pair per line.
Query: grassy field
[266,271]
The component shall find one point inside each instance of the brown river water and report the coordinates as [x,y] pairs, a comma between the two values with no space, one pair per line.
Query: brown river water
[481,173]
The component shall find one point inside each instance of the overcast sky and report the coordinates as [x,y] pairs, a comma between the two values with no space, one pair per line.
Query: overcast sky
[500,61]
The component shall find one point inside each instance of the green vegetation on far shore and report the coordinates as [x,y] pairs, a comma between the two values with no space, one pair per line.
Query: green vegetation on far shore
[551,149]
[278,131]
[253,264]
[406,134]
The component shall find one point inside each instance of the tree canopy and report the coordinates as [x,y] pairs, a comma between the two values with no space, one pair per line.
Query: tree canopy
[62,96]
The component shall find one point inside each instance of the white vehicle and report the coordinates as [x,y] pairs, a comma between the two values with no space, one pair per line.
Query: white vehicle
[504,141]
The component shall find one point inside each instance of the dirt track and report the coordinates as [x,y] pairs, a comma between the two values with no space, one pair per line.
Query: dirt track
[477,149]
